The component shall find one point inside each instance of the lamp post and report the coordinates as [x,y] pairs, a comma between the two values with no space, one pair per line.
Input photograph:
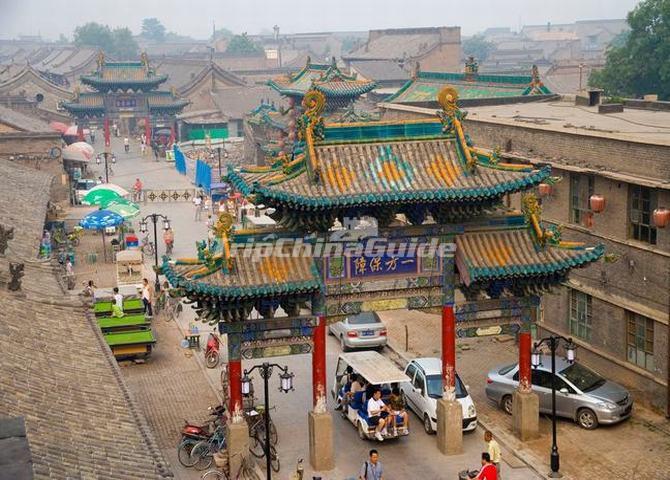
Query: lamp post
[225,155]
[553,343]
[143,228]
[97,161]
[285,385]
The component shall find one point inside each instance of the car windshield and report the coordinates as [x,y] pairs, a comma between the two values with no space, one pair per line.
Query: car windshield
[364,318]
[582,378]
[435,387]
[506,369]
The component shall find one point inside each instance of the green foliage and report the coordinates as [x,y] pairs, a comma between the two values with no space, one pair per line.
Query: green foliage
[477,46]
[153,29]
[118,43]
[641,63]
[223,33]
[242,45]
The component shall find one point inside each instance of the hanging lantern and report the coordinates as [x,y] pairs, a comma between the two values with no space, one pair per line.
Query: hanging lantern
[597,203]
[544,189]
[661,217]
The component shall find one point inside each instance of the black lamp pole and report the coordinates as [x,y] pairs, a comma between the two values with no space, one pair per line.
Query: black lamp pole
[553,343]
[143,223]
[106,169]
[218,149]
[265,370]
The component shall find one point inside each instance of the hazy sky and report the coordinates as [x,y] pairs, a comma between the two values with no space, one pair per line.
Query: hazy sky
[194,17]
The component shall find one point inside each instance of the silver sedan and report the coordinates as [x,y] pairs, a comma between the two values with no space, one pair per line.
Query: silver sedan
[363,330]
[581,394]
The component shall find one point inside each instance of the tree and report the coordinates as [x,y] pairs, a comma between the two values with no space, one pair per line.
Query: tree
[153,29]
[641,64]
[477,46]
[223,33]
[93,34]
[124,46]
[241,45]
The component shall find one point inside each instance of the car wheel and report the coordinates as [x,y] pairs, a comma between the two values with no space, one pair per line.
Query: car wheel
[427,426]
[343,345]
[587,419]
[507,404]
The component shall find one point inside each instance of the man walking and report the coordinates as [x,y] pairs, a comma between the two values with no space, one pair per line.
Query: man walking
[372,469]
[147,298]
[197,201]
[493,450]
[137,190]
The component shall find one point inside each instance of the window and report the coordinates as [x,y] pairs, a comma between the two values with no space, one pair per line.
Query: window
[642,203]
[420,382]
[580,314]
[581,189]
[640,341]
[411,370]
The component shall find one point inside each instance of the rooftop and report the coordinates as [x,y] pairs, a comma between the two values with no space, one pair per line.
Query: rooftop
[400,43]
[17,122]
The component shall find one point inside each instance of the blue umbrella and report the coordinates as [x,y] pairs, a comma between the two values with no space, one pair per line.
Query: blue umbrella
[99,220]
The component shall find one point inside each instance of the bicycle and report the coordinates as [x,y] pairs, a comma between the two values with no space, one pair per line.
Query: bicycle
[147,246]
[246,470]
[203,451]
[256,421]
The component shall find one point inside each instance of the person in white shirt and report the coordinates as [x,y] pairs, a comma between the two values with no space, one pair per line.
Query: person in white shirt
[197,201]
[377,413]
[118,297]
[147,298]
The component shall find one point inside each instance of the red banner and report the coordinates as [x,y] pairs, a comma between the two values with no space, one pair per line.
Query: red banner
[107,133]
[172,135]
[147,130]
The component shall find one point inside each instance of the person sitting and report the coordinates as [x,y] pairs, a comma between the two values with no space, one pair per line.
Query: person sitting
[397,405]
[488,471]
[116,310]
[118,297]
[378,413]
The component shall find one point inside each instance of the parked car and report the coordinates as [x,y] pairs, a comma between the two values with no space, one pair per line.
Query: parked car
[363,330]
[581,394]
[82,187]
[425,388]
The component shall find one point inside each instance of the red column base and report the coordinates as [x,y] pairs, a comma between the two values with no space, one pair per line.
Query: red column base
[234,385]
[449,345]
[524,360]
[319,360]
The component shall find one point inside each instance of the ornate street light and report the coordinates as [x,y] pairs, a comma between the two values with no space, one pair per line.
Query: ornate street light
[144,228]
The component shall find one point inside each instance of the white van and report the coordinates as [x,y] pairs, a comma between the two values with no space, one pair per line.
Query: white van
[425,388]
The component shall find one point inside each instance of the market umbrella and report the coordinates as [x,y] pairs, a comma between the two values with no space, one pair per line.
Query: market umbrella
[71,131]
[127,211]
[120,201]
[76,155]
[100,220]
[112,187]
[83,147]
[98,197]
[58,126]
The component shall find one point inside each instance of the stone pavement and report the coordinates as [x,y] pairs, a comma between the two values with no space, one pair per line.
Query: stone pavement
[629,450]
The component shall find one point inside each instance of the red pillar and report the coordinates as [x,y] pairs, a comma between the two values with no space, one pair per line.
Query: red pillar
[319,359]
[80,132]
[235,385]
[524,359]
[449,344]
[147,129]
[172,136]
[107,133]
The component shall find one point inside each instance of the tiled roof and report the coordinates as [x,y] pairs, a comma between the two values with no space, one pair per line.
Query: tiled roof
[397,44]
[165,99]
[377,163]
[485,256]
[23,122]
[380,70]
[237,102]
[81,420]
[91,99]
[123,75]
[426,85]
[250,277]
[328,79]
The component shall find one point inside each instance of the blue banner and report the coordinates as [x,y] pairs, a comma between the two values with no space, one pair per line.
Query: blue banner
[179,160]
[203,176]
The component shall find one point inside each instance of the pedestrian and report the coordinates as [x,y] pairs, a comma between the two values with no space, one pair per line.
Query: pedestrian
[99,181]
[118,297]
[488,471]
[155,149]
[493,450]
[197,201]
[147,298]
[117,312]
[89,289]
[372,469]
[143,148]
[92,136]
[126,144]
[137,190]
[208,205]
[168,238]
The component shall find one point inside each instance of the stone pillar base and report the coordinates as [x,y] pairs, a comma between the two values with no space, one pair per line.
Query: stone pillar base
[449,427]
[321,454]
[525,415]
[238,445]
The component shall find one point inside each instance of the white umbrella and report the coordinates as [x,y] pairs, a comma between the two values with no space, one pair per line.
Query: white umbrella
[111,186]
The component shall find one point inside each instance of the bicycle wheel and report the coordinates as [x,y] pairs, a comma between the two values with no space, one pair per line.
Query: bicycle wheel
[212,359]
[184,452]
[274,436]
[274,463]
[202,455]
[214,475]
[178,309]
[257,447]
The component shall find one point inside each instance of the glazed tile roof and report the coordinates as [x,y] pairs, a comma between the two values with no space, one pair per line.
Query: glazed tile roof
[377,163]
[165,99]
[485,256]
[112,75]
[267,276]
[327,79]
[425,86]
[81,420]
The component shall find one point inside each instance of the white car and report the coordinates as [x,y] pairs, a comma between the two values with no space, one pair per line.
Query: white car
[425,389]
[362,330]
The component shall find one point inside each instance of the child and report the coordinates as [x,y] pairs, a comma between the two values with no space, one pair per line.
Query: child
[116,310]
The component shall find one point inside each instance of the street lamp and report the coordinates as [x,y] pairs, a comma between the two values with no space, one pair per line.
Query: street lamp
[553,342]
[285,386]
[225,155]
[97,161]
[143,228]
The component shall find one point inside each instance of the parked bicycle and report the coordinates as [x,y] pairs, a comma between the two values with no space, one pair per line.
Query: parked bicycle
[202,454]
[246,470]
[256,421]
[147,246]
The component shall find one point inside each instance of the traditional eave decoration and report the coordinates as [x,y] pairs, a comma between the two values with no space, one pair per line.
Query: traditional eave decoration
[327,79]
[123,76]
[386,163]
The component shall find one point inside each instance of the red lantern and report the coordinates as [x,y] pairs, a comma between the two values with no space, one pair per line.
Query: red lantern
[661,217]
[597,203]
[544,189]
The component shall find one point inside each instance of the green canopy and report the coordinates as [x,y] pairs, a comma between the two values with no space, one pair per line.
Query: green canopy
[100,197]
[126,211]
[119,201]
